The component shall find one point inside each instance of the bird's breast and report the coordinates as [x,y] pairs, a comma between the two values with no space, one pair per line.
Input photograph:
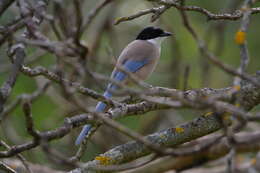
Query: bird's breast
[147,70]
[140,50]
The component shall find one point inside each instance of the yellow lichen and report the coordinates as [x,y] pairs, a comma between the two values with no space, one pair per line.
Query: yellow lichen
[253,161]
[117,21]
[104,160]
[240,159]
[237,87]
[226,116]
[240,37]
[162,136]
[244,9]
[237,105]
[13,166]
[208,114]
[204,97]
[179,130]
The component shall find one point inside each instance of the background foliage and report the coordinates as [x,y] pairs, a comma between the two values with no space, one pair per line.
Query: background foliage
[105,42]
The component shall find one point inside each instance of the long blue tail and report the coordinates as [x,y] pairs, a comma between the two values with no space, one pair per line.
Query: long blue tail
[86,129]
[117,75]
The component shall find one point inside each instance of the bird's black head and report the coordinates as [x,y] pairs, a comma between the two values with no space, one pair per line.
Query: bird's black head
[151,33]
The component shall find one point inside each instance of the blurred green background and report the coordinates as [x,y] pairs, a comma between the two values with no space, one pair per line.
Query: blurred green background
[106,41]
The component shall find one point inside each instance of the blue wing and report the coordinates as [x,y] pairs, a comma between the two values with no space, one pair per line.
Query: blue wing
[130,66]
[133,66]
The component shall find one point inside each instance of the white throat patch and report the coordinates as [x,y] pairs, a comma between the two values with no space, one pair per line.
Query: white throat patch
[156,41]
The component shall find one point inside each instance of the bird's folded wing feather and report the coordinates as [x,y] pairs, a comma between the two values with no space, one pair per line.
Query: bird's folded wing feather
[129,66]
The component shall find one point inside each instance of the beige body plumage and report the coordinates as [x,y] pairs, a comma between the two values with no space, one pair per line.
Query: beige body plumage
[140,50]
[139,58]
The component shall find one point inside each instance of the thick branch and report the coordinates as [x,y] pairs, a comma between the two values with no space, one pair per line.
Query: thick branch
[248,97]
[249,143]
[171,137]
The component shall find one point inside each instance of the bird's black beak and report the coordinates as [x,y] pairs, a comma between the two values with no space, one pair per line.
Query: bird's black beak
[166,34]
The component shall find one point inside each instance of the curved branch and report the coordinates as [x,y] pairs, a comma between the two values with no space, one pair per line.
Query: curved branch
[237,14]
[249,142]
[201,126]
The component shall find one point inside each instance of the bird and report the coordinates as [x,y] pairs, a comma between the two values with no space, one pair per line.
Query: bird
[139,58]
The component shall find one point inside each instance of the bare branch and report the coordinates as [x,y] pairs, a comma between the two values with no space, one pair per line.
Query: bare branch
[241,40]
[17,52]
[6,168]
[168,3]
